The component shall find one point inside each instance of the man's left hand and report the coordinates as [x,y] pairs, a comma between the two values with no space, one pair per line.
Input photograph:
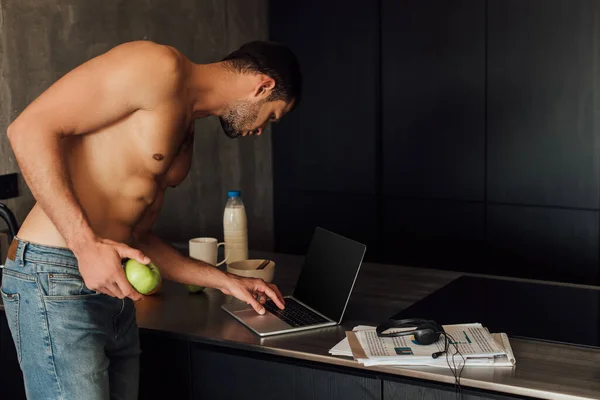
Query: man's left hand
[253,291]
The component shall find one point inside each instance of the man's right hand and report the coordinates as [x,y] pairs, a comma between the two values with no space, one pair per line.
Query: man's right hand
[100,266]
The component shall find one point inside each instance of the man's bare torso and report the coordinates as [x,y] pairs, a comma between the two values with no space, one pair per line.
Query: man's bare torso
[120,172]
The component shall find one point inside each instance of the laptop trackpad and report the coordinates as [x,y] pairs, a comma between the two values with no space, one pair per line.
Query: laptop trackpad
[262,323]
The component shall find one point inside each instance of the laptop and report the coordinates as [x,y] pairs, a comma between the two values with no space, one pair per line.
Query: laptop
[321,294]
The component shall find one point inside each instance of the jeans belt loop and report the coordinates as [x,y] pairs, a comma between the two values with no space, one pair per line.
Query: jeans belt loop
[21,253]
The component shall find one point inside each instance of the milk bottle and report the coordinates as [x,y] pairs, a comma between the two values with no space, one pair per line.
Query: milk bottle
[235,228]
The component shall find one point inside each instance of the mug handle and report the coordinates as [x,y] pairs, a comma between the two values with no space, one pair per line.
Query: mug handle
[226,255]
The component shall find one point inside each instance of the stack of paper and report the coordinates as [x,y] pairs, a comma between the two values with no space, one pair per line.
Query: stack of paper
[476,345]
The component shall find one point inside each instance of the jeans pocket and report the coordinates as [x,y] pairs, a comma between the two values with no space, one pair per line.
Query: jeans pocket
[61,286]
[11,308]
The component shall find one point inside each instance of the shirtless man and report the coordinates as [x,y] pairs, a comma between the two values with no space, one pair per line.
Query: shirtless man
[98,149]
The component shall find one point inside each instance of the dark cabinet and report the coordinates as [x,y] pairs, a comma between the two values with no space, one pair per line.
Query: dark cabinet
[433,98]
[218,375]
[433,132]
[327,143]
[324,151]
[164,368]
[298,213]
[433,233]
[535,242]
[11,378]
[543,87]
[543,139]
[403,391]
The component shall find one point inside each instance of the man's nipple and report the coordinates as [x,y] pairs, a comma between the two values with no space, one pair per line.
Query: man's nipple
[158,157]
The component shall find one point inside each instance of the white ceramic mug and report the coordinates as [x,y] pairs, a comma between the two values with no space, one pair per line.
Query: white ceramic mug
[206,249]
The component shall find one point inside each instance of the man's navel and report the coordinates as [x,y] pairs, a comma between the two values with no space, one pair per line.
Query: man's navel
[158,157]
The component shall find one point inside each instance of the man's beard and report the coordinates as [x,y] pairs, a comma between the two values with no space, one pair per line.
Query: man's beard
[228,128]
[238,117]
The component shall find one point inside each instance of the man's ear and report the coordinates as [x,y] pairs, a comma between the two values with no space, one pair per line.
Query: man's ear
[264,87]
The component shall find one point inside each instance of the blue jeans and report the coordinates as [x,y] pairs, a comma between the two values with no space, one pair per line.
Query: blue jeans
[72,343]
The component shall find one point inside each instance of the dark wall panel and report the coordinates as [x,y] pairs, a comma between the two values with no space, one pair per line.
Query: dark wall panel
[466,132]
[543,243]
[328,142]
[433,233]
[433,55]
[298,213]
[543,86]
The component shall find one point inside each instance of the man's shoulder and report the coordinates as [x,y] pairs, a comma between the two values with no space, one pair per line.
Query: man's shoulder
[153,54]
[158,62]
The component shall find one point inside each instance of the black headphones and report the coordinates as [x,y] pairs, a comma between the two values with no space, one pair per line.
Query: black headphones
[425,331]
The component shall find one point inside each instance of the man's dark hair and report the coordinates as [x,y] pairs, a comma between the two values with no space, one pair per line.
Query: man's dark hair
[276,61]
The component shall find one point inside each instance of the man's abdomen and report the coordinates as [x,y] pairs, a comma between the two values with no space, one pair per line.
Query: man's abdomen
[38,228]
[113,208]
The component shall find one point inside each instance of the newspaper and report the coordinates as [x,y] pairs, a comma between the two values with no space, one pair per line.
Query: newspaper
[477,346]
[472,339]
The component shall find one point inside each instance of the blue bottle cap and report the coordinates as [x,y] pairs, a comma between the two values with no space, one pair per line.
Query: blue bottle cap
[234,193]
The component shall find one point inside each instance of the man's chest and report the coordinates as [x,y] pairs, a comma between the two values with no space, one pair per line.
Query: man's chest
[164,142]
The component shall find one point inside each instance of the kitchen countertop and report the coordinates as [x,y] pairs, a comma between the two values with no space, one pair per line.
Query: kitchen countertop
[543,370]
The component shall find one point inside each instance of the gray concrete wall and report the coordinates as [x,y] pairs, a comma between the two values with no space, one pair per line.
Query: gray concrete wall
[40,40]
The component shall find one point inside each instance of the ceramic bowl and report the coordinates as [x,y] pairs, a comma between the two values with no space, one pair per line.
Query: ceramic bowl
[247,269]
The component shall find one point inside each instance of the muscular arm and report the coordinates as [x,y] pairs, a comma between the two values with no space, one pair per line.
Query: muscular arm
[174,266]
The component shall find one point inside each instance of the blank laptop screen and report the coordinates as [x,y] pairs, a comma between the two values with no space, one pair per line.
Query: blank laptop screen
[328,274]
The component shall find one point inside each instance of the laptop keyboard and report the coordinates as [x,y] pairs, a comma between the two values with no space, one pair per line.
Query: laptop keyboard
[295,313]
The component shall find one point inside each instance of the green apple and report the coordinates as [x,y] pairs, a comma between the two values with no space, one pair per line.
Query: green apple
[145,279]
[194,288]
